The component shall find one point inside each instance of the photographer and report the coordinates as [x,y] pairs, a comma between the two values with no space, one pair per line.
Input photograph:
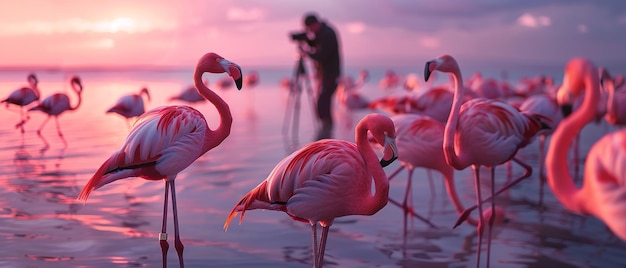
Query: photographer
[323,49]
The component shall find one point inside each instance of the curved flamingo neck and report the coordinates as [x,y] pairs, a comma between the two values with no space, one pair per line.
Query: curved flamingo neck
[78,89]
[557,170]
[611,103]
[381,184]
[453,118]
[214,137]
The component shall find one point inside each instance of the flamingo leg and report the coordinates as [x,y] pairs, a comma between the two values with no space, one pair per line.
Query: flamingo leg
[407,191]
[314,246]
[43,124]
[177,243]
[527,172]
[56,119]
[431,184]
[493,211]
[320,261]
[542,182]
[480,226]
[412,213]
[395,173]
[163,234]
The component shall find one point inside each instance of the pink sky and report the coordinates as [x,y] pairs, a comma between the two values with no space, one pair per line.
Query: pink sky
[255,32]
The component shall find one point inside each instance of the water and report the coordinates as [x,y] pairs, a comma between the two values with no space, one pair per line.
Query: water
[41,224]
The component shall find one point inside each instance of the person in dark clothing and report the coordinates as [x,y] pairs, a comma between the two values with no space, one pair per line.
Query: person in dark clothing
[325,52]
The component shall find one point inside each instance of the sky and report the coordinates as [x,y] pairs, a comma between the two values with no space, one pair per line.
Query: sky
[71,33]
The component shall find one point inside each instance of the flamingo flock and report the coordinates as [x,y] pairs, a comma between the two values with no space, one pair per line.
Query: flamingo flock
[479,123]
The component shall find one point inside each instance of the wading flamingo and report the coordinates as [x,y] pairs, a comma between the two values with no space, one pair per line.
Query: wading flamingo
[22,97]
[603,192]
[58,103]
[546,106]
[482,132]
[189,95]
[166,140]
[616,105]
[328,179]
[130,106]
[420,144]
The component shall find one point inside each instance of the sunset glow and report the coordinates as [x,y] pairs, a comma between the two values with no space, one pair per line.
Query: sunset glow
[166,33]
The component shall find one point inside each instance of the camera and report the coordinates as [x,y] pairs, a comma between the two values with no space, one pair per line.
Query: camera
[299,36]
[302,37]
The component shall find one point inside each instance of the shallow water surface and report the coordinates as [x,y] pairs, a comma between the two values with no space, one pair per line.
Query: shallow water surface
[42,225]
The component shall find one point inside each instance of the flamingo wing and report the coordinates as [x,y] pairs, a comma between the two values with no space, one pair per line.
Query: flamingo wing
[309,184]
[163,142]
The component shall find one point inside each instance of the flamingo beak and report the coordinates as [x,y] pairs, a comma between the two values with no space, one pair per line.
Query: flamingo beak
[390,151]
[566,109]
[234,71]
[427,71]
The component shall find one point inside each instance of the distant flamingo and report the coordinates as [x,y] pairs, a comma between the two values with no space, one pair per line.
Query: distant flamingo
[603,193]
[482,132]
[166,140]
[420,144]
[546,106]
[251,79]
[347,95]
[58,103]
[390,80]
[130,106]
[22,97]
[616,103]
[328,179]
[190,95]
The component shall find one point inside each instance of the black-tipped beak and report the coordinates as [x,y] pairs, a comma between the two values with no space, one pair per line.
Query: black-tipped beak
[385,163]
[427,71]
[239,83]
[566,110]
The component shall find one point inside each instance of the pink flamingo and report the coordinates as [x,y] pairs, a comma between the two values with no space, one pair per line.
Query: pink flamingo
[166,140]
[130,106]
[389,80]
[603,193]
[420,144]
[328,179]
[58,103]
[546,106]
[482,132]
[189,95]
[616,105]
[22,97]
[347,95]
[251,80]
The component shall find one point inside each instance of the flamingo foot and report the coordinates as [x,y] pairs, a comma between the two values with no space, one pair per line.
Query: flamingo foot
[164,247]
[412,213]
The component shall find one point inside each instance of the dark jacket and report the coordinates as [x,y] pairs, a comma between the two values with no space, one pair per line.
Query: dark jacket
[326,54]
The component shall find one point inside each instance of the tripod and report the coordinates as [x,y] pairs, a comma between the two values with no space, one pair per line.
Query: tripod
[291,120]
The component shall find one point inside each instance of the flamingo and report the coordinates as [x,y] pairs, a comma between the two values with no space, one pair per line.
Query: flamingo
[130,106]
[547,106]
[251,80]
[420,144]
[347,94]
[616,105]
[482,132]
[390,80]
[328,179]
[166,140]
[603,193]
[23,97]
[58,103]
[189,95]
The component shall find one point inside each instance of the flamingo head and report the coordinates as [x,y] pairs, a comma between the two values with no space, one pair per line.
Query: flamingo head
[144,90]
[384,133]
[77,84]
[443,63]
[233,70]
[32,80]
